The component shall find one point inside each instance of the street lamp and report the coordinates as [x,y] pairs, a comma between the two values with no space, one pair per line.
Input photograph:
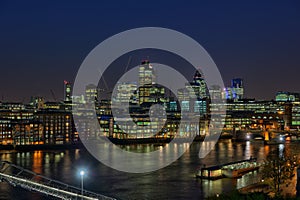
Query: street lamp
[82,174]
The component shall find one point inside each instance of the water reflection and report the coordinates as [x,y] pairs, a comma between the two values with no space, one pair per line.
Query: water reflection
[173,182]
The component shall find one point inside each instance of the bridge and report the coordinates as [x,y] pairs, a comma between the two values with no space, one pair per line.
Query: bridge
[26,179]
[269,135]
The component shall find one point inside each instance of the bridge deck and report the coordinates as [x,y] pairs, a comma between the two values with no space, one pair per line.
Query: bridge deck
[18,176]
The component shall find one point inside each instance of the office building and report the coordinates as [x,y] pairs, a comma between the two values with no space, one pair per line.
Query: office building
[67,91]
[237,88]
[91,93]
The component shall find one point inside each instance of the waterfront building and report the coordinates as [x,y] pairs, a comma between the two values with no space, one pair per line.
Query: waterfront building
[18,125]
[51,122]
[27,132]
[6,132]
[58,126]
[251,114]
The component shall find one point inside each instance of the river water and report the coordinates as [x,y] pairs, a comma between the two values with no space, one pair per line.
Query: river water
[176,181]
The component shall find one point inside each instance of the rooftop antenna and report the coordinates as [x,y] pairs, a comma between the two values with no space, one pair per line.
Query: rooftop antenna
[53,95]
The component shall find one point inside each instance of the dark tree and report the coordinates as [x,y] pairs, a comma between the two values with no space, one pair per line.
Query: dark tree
[278,169]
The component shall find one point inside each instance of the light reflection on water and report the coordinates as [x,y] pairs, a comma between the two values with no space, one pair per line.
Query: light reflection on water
[176,181]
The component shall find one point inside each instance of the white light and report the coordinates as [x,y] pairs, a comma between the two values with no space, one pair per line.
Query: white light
[281,138]
[248,136]
[82,173]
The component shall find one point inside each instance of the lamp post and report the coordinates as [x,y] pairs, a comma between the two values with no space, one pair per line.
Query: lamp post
[82,174]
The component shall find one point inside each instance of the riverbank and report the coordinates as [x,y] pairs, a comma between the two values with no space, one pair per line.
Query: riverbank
[117,141]
[256,187]
[130,141]
[41,147]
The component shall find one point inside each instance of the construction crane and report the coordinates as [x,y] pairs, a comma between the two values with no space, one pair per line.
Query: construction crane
[53,95]
[129,61]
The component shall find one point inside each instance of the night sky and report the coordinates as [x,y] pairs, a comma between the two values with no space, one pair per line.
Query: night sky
[42,44]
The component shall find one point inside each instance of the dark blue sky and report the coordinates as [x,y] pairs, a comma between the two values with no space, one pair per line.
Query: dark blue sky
[42,44]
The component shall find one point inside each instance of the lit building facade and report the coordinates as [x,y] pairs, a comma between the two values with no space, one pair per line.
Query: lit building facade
[126,93]
[6,132]
[58,126]
[296,115]
[91,93]
[237,87]
[67,91]
[148,91]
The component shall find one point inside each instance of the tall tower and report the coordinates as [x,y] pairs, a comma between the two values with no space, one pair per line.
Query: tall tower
[67,91]
[148,91]
[199,83]
[146,74]
[199,86]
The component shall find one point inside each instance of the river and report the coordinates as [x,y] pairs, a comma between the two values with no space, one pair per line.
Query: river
[176,181]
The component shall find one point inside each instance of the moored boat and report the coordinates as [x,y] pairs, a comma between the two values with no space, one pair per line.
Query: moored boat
[230,170]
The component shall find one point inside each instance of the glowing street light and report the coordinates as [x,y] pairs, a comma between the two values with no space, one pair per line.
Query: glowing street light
[82,174]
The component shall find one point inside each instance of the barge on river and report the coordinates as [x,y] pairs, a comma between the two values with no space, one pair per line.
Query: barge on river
[230,170]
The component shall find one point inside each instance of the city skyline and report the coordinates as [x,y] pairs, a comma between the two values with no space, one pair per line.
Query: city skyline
[150,99]
[67,84]
[43,44]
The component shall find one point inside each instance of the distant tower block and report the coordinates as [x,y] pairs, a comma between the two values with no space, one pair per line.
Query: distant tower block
[146,74]
[148,91]
[237,87]
[91,93]
[67,90]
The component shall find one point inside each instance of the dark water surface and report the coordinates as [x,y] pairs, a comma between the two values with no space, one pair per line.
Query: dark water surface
[176,181]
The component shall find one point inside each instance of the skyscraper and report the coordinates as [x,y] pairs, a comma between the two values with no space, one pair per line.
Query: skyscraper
[198,88]
[149,91]
[67,91]
[199,85]
[146,74]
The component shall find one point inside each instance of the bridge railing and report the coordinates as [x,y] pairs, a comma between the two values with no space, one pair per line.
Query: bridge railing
[18,176]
